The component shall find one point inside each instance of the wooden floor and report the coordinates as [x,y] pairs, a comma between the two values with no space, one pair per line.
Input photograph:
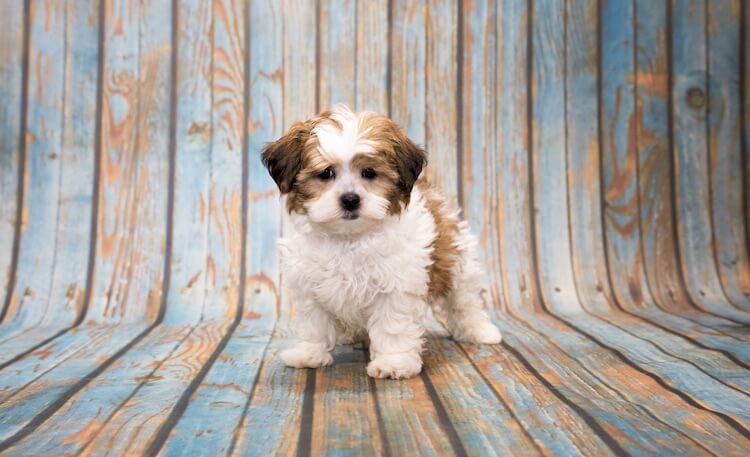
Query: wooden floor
[599,150]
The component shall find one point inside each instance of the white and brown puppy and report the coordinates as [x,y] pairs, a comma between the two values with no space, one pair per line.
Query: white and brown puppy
[370,246]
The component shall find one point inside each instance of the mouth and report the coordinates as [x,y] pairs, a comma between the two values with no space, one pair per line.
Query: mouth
[350,215]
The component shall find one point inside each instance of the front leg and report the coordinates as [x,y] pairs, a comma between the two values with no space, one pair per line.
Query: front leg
[396,328]
[315,338]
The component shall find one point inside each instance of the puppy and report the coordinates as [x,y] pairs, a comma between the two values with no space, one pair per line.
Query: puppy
[370,245]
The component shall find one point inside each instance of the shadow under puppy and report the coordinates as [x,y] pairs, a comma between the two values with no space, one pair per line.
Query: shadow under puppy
[370,245]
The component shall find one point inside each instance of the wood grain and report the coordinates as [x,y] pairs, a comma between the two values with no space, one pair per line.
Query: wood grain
[372,56]
[597,147]
[337,53]
[689,106]
[131,238]
[54,247]
[12,98]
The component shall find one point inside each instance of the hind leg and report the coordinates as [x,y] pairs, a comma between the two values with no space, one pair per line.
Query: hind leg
[467,320]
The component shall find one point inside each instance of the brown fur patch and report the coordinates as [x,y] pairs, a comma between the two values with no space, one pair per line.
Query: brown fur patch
[402,155]
[294,156]
[445,253]
[294,161]
[387,184]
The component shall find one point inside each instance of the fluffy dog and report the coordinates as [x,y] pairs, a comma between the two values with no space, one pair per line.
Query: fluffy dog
[371,244]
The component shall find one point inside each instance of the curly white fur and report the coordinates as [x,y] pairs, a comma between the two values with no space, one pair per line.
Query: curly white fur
[375,284]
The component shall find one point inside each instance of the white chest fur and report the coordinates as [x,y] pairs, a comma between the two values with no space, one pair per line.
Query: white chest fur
[344,275]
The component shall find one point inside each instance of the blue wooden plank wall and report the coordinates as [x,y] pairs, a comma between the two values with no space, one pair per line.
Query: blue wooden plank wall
[599,148]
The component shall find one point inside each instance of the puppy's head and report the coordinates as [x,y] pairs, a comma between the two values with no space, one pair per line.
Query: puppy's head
[345,171]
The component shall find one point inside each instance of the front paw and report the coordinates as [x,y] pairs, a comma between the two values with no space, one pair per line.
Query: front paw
[395,366]
[306,356]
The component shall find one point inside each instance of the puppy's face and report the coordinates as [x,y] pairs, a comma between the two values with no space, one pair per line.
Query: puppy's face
[345,172]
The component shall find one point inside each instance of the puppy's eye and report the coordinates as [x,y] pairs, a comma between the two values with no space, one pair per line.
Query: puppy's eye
[369,173]
[327,174]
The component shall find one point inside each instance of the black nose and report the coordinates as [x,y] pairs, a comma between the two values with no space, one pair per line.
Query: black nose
[350,201]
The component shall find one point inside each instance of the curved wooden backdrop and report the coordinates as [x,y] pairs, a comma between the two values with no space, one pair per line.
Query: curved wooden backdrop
[599,149]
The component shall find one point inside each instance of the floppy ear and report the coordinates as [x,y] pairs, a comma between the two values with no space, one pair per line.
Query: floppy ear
[283,158]
[410,159]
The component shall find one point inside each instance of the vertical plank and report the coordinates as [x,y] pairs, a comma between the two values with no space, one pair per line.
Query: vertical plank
[131,236]
[584,161]
[619,126]
[549,164]
[410,423]
[372,56]
[338,49]
[513,219]
[194,133]
[479,156]
[725,156]
[408,57]
[345,412]
[54,248]
[300,66]
[12,24]
[689,108]
[275,410]
[653,142]
[441,140]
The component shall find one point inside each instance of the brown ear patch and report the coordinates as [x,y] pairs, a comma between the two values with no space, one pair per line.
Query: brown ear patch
[445,254]
[283,157]
[404,155]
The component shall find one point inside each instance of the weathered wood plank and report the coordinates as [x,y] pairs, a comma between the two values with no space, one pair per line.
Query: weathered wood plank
[131,239]
[512,218]
[300,74]
[466,395]
[275,406]
[655,181]
[12,94]
[39,383]
[592,377]
[132,205]
[549,164]
[54,249]
[620,118]
[410,422]
[408,57]
[65,431]
[689,108]
[441,81]
[219,45]
[479,161]
[345,412]
[556,427]
[337,53]
[725,155]
[649,114]
[695,372]
[583,159]
[372,56]
[215,410]
[190,267]
[134,425]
